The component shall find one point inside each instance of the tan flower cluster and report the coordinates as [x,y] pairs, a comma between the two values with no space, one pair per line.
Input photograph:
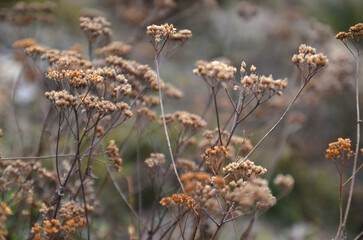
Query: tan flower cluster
[105,107]
[76,78]
[180,199]
[215,157]
[339,149]
[186,164]
[262,83]
[308,55]
[17,172]
[112,152]
[189,121]
[24,43]
[145,113]
[251,194]
[138,74]
[215,70]
[61,98]
[5,211]
[155,160]
[211,137]
[114,49]
[198,186]
[95,27]
[182,35]
[35,51]
[242,142]
[284,181]
[24,13]
[160,33]
[66,59]
[246,170]
[355,31]
[172,91]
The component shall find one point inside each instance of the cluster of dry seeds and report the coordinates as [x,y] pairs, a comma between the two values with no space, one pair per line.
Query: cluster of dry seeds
[155,160]
[339,149]
[61,98]
[95,27]
[215,157]
[160,33]
[112,152]
[286,182]
[215,70]
[308,55]
[355,31]
[5,211]
[24,13]
[246,170]
[180,199]
[251,194]
[114,49]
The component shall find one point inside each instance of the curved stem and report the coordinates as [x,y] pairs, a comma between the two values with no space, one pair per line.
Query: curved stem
[164,123]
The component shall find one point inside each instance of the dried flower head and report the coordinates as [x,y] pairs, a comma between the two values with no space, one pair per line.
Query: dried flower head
[215,70]
[112,152]
[114,49]
[182,35]
[181,199]
[308,55]
[245,170]
[95,27]
[160,33]
[339,149]
[284,181]
[155,160]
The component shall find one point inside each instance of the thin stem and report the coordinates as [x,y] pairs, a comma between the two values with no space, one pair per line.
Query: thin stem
[217,115]
[275,125]
[357,141]
[164,123]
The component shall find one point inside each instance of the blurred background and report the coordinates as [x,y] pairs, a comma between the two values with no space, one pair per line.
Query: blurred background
[261,32]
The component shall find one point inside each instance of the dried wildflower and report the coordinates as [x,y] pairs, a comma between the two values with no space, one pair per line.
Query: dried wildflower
[5,211]
[24,13]
[182,35]
[160,33]
[112,152]
[155,160]
[24,43]
[246,170]
[339,149]
[172,91]
[35,51]
[252,194]
[215,70]
[187,164]
[145,113]
[139,75]
[243,143]
[114,49]
[61,99]
[95,27]
[181,199]
[216,157]
[308,55]
[284,181]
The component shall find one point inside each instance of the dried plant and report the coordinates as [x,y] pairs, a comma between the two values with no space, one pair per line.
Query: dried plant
[209,179]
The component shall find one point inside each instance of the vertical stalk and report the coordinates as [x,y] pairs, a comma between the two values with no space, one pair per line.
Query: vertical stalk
[164,122]
[358,138]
